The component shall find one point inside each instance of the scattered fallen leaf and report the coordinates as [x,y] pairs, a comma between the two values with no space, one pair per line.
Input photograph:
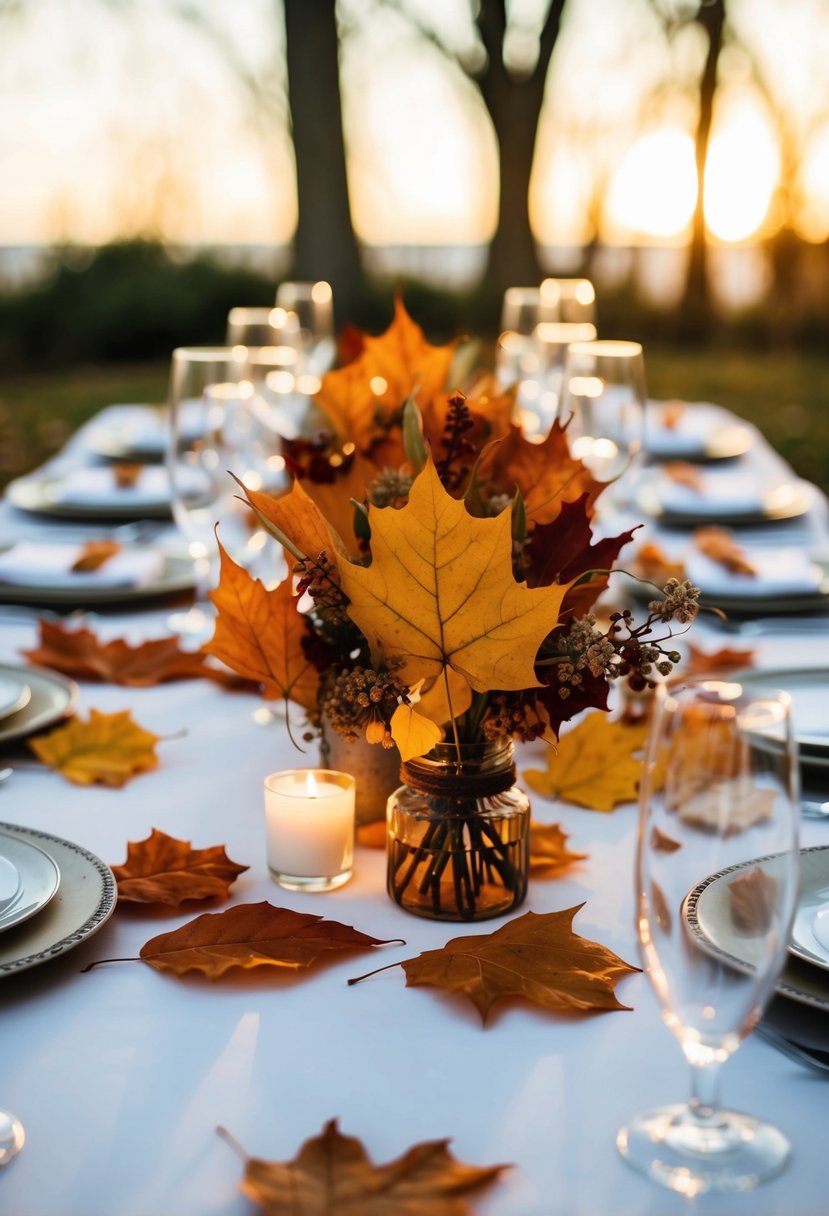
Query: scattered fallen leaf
[372,835]
[537,957]
[126,474]
[108,749]
[93,554]
[719,545]
[251,935]
[753,898]
[700,663]
[79,653]
[671,414]
[653,564]
[549,854]
[440,591]
[596,765]
[727,807]
[163,870]
[259,634]
[332,1173]
[662,842]
[684,474]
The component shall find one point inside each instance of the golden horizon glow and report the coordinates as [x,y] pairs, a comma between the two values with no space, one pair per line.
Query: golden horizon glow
[741,173]
[654,190]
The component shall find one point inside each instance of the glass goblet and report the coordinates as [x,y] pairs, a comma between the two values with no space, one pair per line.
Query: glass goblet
[716,889]
[265,327]
[212,430]
[603,404]
[313,304]
[575,299]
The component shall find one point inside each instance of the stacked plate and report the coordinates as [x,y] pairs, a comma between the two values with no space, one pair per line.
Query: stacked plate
[803,987]
[53,895]
[32,698]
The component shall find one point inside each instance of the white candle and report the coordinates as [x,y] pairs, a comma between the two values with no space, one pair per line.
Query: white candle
[309,823]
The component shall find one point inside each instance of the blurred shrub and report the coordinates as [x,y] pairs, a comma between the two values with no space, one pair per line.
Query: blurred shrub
[124,301]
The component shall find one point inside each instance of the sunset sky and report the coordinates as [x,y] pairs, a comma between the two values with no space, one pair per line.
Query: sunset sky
[124,118]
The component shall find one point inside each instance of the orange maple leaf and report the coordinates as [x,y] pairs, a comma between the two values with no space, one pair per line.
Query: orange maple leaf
[333,1173]
[163,870]
[79,653]
[259,634]
[364,398]
[545,473]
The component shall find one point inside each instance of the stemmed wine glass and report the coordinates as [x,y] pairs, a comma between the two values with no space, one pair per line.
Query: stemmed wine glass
[716,889]
[213,431]
[313,305]
[273,327]
[603,402]
[575,299]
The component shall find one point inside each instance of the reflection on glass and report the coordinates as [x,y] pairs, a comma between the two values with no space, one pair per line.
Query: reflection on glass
[716,881]
[313,305]
[264,327]
[283,393]
[525,307]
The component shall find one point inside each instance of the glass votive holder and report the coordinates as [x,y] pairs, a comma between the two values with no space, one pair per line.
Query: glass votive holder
[309,826]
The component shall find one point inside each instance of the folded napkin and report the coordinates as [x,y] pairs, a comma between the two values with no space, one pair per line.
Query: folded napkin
[33,564]
[144,429]
[779,572]
[98,487]
[719,495]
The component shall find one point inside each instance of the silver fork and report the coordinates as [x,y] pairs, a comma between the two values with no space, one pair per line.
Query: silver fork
[810,1057]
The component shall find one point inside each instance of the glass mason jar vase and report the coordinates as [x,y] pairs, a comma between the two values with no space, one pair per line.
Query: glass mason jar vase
[458,845]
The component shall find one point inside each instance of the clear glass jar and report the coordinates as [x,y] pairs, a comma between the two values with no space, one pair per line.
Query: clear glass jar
[459,834]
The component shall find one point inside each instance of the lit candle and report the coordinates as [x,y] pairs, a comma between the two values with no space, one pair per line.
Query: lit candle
[309,822]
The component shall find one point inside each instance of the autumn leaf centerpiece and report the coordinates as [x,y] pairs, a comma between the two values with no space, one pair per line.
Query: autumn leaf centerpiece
[444,572]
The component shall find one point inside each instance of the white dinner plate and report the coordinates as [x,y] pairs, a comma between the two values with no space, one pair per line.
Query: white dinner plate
[713,931]
[788,500]
[814,895]
[140,432]
[702,432]
[178,574]
[53,697]
[809,690]
[84,902]
[14,694]
[37,880]
[93,494]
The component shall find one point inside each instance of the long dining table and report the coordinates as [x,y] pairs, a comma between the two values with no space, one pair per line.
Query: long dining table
[122,1075]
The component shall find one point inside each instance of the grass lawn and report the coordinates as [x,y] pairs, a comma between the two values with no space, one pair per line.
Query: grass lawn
[785,394]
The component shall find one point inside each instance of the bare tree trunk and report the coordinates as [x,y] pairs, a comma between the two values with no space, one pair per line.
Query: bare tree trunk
[325,246]
[696,301]
[514,106]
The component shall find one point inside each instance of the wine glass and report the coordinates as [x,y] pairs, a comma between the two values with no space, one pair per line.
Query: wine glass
[213,429]
[524,307]
[603,403]
[550,340]
[12,1136]
[575,299]
[265,327]
[313,304]
[283,394]
[716,889]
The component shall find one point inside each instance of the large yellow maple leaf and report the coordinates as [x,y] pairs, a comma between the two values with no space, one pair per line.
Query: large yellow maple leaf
[109,749]
[259,634]
[440,592]
[597,764]
[363,398]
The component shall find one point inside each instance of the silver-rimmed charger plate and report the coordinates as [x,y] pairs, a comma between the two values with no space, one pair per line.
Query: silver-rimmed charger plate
[809,689]
[14,694]
[786,502]
[53,697]
[714,933]
[178,574]
[38,879]
[84,902]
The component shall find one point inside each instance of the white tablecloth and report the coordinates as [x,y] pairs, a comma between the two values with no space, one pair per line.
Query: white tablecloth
[122,1075]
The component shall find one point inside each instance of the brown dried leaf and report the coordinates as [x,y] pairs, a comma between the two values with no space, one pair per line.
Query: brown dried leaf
[549,855]
[753,898]
[653,564]
[662,842]
[719,545]
[93,555]
[537,957]
[79,653]
[108,749]
[700,663]
[251,935]
[332,1173]
[163,870]
[684,474]
[126,474]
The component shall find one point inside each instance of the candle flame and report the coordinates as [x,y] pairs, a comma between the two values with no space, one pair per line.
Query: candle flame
[311,786]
